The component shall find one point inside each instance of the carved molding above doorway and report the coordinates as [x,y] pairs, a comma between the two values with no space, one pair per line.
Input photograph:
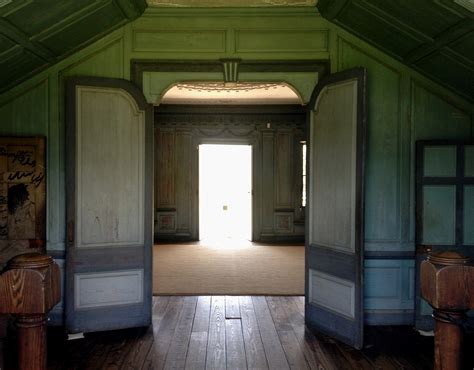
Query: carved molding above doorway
[156,77]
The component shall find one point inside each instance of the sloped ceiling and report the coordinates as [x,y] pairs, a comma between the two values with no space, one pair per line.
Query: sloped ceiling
[435,37]
[34,34]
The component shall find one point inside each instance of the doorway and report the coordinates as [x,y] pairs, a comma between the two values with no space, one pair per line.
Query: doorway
[225,192]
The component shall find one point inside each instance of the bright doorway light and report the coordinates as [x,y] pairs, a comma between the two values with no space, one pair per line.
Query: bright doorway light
[225,192]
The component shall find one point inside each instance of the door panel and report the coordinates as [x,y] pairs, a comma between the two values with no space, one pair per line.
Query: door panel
[334,248]
[444,204]
[109,206]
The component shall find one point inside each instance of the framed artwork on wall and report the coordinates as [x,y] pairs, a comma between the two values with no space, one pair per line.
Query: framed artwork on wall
[22,196]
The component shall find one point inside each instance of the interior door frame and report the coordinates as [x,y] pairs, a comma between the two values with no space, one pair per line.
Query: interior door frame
[361,75]
[70,170]
[244,141]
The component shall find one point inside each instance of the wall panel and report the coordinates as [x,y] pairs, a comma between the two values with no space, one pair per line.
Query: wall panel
[165,164]
[184,189]
[294,41]
[284,170]
[268,150]
[183,41]
[382,217]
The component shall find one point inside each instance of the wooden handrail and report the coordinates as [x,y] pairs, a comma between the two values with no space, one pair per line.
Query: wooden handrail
[29,288]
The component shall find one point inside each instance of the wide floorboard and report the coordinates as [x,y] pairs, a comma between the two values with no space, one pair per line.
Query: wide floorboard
[235,332]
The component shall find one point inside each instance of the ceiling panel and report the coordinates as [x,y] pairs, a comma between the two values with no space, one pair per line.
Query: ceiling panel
[40,15]
[5,44]
[419,33]
[421,15]
[453,73]
[14,66]
[76,33]
[35,34]
[366,22]
[465,46]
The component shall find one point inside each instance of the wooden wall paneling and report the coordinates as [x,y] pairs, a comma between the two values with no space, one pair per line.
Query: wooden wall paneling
[97,64]
[434,116]
[284,170]
[294,41]
[283,222]
[184,41]
[165,182]
[166,151]
[267,191]
[183,182]
[389,284]
[55,197]
[383,219]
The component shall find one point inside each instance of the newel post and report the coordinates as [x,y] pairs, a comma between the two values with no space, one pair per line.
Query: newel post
[30,288]
[447,283]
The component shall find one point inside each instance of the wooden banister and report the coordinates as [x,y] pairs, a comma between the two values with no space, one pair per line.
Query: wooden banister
[29,288]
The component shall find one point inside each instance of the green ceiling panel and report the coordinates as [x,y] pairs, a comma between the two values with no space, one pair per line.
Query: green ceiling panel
[465,46]
[14,67]
[420,15]
[5,44]
[41,15]
[379,30]
[85,29]
[450,71]
[419,33]
[36,34]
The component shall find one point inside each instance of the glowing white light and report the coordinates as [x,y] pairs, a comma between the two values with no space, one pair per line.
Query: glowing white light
[225,185]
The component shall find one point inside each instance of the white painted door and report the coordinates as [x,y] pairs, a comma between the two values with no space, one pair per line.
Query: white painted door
[334,242]
[109,174]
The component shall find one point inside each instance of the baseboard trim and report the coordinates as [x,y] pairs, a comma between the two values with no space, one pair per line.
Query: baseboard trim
[276,239]
[173,238]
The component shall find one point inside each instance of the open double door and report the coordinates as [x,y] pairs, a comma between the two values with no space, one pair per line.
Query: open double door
[109,173]
[109,206]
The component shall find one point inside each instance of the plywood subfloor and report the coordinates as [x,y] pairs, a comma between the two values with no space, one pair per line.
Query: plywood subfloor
[228,268]
[222,332]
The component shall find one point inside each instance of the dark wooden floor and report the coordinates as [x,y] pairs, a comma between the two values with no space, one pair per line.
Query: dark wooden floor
[235,333]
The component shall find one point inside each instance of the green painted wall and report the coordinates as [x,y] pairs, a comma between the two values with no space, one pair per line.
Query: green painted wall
[403,106]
